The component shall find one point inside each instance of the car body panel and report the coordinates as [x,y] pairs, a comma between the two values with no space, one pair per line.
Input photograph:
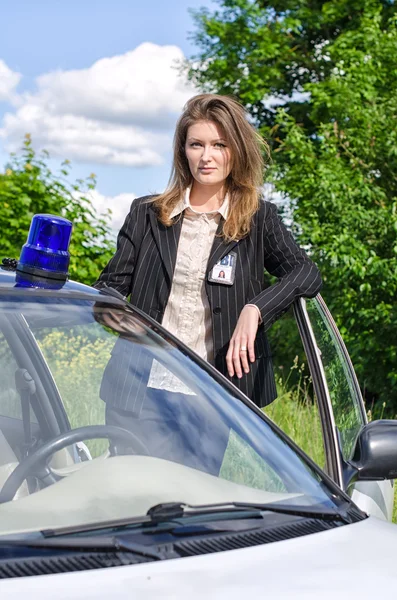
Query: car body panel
[327,565]
[376,498]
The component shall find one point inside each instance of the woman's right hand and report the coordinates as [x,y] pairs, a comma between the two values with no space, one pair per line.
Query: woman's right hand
[241,346]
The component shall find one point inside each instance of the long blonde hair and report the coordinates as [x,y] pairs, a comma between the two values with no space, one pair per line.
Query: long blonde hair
[247,149]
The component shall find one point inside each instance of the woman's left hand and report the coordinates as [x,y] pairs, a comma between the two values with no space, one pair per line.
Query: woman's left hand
[241,345]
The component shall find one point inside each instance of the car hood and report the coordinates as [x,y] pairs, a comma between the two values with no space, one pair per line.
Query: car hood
[355,561]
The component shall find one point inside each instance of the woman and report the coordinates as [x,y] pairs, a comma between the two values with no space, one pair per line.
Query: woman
[173,246]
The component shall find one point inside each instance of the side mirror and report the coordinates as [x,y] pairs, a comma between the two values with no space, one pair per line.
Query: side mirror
[375,455]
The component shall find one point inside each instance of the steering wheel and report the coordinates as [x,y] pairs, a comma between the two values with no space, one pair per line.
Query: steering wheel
[38,460]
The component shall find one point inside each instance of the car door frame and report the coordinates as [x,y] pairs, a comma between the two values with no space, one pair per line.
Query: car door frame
[333,457]
[373,496]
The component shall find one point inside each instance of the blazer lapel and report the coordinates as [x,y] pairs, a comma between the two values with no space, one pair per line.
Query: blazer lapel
[167,239]
[220,248]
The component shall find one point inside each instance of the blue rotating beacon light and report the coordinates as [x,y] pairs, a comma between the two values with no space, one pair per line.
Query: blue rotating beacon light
[44,259]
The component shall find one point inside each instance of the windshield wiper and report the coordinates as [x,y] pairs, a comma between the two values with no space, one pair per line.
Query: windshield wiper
[175,513]
[170,514]
[86,544]
[174,510]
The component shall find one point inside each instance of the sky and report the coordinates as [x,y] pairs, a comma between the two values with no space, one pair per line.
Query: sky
[95,82]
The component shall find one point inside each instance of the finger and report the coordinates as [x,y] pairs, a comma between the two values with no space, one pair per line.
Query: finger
[244,355]
[251,349]
[236,359]
[108,320]
[229,359]
[114,320]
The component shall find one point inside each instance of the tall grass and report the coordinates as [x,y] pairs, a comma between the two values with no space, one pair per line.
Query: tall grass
[296,413]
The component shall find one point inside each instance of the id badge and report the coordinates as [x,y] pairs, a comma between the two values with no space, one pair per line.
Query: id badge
[224,271]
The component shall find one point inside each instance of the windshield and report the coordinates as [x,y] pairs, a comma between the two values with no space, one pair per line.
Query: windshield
[157,426]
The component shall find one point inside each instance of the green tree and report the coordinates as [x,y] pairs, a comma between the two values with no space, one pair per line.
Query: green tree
[27,187]
[320,81]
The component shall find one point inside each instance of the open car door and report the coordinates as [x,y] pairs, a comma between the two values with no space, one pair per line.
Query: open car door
[340,403]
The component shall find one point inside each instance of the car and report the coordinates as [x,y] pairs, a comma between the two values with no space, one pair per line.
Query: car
[79,496]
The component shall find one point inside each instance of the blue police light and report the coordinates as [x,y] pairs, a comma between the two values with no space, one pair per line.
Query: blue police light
[45,254]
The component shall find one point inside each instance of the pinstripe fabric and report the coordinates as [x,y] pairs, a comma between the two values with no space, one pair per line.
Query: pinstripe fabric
[143,267]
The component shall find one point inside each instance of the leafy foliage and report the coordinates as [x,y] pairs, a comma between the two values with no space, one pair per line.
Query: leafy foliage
[28,187]
[320,80]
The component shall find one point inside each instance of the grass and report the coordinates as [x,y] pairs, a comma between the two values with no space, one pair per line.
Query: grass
[296,413]
[241,464]
[300,420]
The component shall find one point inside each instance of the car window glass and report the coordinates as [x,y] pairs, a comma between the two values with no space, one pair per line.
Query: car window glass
[243,465]
[345,398]
[295,409]
[78,357]
[80,354]
[203,444]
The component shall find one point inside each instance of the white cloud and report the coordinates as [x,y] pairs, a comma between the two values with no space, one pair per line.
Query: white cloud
[8,82]
[121,110]
[83,139]
[140,88]
[119,205]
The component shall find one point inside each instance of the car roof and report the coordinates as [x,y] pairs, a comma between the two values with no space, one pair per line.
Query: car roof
[8,282]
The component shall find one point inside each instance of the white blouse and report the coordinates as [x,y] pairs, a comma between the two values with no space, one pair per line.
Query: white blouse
[187,314]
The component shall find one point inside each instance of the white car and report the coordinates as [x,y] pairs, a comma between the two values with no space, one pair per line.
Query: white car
[88,510]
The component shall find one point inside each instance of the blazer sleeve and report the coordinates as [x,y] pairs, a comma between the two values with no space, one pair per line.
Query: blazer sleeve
[118,272]
[297,274]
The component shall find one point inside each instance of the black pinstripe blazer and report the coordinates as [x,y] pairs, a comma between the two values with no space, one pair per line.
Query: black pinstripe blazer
[143,267]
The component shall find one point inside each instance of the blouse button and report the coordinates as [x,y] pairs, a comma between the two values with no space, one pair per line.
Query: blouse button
[217,310]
